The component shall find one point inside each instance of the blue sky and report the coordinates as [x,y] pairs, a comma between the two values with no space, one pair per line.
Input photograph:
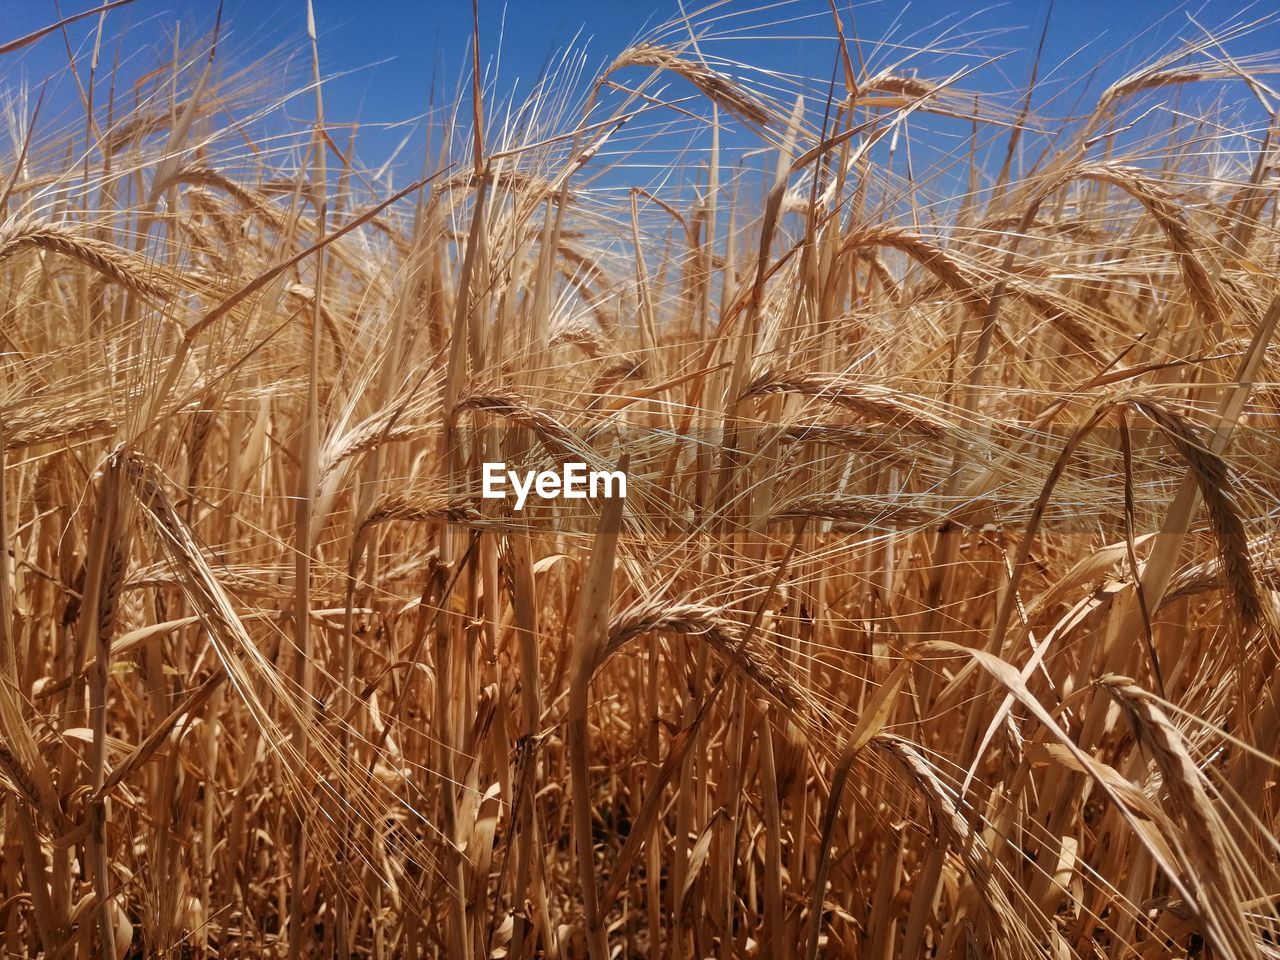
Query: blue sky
[389,51]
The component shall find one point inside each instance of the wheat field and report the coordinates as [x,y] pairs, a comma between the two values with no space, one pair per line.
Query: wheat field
[940,616]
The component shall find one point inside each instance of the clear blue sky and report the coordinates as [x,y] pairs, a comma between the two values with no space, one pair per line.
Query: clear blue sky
[390,50]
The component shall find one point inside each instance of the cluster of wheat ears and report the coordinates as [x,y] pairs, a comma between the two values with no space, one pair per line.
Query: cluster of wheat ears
[939,620]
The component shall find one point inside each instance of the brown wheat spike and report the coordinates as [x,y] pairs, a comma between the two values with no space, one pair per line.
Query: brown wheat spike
[557,438]
[420,510]
[952,824]
[106,259]
[943,265]
[895,83]
[873,401]
[1205,844]
[714,86]
[1214,479]
[20,780]
[755,661]
[207,176]
[1164,209]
